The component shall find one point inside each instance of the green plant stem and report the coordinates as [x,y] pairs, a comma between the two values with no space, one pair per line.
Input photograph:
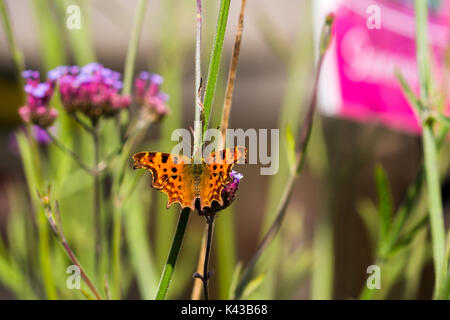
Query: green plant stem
[126,149]
[297,87]
[56,227]
[169,267]
[199,114]
[430,153]
[198,83]
[31,162]
[214,64]
[72,154]
[409,203]
[133,46]
[435,210]
[269,236]
[97,201]
[206,275]
[410,200]
[75,261]
[15,51]
[82,123]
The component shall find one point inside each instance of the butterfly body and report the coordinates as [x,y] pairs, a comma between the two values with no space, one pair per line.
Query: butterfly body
[186,182]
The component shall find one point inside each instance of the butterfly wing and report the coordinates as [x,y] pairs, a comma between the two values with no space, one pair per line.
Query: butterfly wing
[216,174]
[171,174]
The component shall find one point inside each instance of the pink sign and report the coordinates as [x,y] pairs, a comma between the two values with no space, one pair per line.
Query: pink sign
[368,54]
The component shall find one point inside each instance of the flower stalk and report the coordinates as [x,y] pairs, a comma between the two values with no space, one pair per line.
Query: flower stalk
[430,153]
[206,274]
[97,199]
[169,267]
[56,227]
[71,153]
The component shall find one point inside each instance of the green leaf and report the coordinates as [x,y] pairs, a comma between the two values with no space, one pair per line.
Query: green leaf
[384,201]
[234,281]
[443,119]
[214,65]
[409,94]
[290,147]
[225,250]
[253,285]
[369,214]
[406,239]
[135,223]
[169,267]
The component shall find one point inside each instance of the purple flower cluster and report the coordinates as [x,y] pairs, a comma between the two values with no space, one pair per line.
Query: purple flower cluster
[148,94]
[92,89]
[228,195]
[37,110]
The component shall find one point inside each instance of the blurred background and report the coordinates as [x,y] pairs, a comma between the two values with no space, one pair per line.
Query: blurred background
[326,235]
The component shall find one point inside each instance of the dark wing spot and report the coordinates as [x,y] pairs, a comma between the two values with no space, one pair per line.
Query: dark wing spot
[215,167]
[164,158]
[174,169]
[165,170]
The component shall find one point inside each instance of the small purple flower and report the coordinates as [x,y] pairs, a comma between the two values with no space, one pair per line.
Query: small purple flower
[229,191]
[41,135]
[228,195]
[148,94]
[31,76]
[58,72]
[92,89]
[37,110]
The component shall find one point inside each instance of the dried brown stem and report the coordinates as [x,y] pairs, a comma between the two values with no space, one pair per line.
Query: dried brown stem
[57,229]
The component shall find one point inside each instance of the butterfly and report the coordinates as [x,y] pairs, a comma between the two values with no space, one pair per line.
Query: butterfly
[184,181]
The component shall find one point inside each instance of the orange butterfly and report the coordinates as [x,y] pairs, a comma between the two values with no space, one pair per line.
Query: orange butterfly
[185,182]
